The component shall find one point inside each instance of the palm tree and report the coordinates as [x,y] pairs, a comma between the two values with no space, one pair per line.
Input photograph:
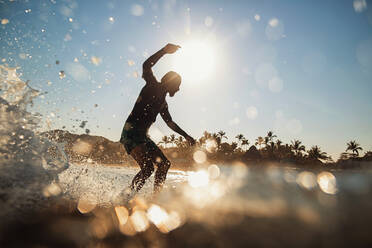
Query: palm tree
[172,139]
[259,141]
[297,147]
[222,134]
[240,137]
[245,142]
[270,135]
[179,142]
[233,146]
[316,154]
[217,138]
[271,146]
[354,147]
[205,137]
[164,140]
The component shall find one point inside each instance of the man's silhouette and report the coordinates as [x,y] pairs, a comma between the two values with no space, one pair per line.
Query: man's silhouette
[149,104]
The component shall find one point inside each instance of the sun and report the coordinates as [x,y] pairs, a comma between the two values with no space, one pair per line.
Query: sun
[195,61]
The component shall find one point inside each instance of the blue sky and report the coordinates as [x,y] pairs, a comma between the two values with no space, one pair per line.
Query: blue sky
[300,68]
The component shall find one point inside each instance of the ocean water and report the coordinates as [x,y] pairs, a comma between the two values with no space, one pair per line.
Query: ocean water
[229,205]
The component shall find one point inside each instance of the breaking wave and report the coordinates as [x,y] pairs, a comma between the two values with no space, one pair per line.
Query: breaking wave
[29,162]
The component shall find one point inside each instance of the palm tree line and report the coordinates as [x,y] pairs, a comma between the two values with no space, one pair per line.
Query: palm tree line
[268,147]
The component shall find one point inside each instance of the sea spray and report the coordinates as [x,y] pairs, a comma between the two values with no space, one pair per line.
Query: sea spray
[29,162]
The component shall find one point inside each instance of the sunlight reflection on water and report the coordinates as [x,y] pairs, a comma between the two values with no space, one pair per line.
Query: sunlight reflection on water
[211,195]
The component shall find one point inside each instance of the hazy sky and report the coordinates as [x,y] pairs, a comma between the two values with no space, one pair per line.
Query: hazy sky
[302,69]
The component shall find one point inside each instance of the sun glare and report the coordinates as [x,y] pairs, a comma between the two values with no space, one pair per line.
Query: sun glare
[195,61]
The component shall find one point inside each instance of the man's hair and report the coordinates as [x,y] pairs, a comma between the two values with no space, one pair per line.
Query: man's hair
[171,77]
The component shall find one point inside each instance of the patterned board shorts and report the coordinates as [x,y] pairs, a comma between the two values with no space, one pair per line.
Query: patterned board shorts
[132,137]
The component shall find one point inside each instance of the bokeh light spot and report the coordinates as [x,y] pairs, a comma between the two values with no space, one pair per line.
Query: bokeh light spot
[274,29]
[137,10]
[306,179]
[213,171]
[4,21]
[252,112]
[359,5]
[276,84]
[95,60]
[200,157]
[139,220]
[122,214]
[210,145]
[86,204]
[327,182]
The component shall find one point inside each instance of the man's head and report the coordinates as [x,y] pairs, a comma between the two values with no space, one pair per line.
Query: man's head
[172,82]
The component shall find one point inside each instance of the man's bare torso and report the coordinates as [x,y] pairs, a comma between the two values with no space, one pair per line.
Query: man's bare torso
[149,103]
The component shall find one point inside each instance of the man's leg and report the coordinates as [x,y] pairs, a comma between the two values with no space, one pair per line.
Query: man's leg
[163,164]
[144,160]
[161,173]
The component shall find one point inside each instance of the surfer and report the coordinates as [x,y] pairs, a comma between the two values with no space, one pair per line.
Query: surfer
[150,102]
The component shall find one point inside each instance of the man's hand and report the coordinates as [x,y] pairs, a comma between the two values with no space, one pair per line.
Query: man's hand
[190,140]
[171,48]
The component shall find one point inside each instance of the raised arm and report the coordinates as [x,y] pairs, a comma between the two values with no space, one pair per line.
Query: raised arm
[147,73]
[172,125]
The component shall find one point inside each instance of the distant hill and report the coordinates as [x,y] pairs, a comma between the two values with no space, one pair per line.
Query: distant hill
[84,147]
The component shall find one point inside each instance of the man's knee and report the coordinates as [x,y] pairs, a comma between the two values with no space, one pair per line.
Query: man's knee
[163,163]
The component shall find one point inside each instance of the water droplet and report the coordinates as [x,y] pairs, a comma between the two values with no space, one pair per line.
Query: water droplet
[131,62]
[62,74]
[95,60]
[4,21]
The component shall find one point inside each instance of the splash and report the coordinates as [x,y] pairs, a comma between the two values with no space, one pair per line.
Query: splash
[29,162]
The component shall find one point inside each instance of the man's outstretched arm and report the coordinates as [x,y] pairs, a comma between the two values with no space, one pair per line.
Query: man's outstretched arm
[147,73]
[172,125]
